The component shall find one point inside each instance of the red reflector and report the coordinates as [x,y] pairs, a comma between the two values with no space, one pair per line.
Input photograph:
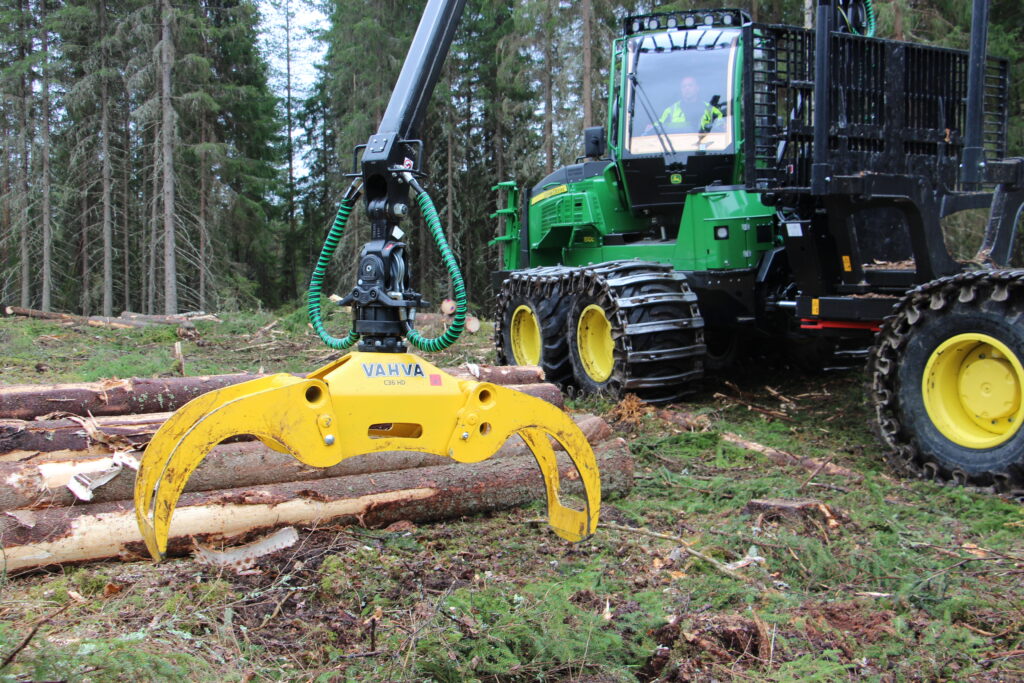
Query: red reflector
[435,380]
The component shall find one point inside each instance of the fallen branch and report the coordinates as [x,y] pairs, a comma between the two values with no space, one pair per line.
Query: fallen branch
[778,415]
[108,530]
[688,548]
[31,634]
[783,458]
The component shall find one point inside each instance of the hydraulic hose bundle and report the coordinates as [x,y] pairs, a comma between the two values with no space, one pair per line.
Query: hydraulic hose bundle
[429,344]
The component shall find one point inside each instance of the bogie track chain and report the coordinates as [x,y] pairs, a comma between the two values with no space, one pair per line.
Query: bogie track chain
[1002,290]
[654,318]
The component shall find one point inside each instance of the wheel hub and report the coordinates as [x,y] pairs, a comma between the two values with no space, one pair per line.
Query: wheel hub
[525,336]
[972,390]
[595,344]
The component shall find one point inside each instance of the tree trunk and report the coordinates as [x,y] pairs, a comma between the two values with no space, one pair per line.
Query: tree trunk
[588,46]
[154,224]
[25,114]
[44,115]
[35,538]
[167,140]
[126,211]
[85,301]
[290,265]
[106,174]
[204,185]
[449,143]
[548,78]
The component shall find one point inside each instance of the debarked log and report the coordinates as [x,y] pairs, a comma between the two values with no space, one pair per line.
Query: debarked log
[19,439]
[35,538]
[154,395]
[39,483]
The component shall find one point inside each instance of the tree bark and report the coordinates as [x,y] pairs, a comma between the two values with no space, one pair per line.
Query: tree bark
[167,157]
[35,538]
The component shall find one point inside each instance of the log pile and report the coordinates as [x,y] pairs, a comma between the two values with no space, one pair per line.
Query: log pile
[67,454]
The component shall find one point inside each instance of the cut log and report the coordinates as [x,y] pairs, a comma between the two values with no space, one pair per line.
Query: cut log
[39,315]
[92,321]
[97,435]
[109,397]
[500,374]
[170,319]
[145,395]
[39,484]
[35,538]
[19,439]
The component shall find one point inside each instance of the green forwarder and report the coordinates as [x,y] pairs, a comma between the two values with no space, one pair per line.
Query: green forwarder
[784,185]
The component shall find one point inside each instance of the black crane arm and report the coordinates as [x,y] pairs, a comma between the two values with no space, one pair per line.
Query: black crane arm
[383,303]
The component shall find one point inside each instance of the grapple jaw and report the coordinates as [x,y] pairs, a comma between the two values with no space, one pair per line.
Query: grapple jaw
[364,403]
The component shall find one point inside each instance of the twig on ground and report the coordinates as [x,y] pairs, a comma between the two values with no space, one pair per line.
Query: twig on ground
[31,634]
[687,547]
[815,473]
[277,609]
[753,406]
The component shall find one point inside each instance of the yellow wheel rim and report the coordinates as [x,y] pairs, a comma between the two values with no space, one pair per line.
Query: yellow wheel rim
[525,336]
[972,390]
[594,343]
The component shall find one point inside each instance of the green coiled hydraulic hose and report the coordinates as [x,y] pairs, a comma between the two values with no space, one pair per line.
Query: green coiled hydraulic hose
[317,279]
[869,8]
[452,333]
[430,344]
[869,11]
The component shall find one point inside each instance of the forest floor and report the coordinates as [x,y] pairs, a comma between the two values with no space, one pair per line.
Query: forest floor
[887,579]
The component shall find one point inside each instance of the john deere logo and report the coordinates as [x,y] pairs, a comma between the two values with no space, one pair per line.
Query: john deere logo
[676,178]
[393,370]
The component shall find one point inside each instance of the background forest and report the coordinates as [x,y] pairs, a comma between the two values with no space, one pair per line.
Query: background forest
[147,164]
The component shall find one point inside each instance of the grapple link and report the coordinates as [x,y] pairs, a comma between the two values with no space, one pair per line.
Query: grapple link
[364,403]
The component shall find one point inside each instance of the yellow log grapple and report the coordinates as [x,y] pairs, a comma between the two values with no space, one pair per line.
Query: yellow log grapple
[364,403]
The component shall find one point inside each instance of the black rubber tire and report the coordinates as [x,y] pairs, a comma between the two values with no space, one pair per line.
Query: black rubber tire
[551,312]
[927,317]
[582,380]
[656,328]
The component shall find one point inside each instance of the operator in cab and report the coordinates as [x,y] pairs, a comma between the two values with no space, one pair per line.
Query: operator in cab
[690,113]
